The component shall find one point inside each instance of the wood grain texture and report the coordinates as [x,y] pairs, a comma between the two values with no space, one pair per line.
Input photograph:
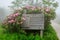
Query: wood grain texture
[34,22]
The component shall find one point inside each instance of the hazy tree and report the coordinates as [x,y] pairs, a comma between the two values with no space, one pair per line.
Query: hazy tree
[50,3]
[22,3]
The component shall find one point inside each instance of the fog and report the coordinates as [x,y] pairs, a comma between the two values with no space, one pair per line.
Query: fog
[58,13]
[5,3]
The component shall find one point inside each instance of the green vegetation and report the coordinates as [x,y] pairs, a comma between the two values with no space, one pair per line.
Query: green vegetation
[11,27]
[49,34]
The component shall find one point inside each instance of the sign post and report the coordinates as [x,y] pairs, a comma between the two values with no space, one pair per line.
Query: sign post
[34,22]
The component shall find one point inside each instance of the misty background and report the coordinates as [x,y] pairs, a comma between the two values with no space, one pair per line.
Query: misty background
[6,10]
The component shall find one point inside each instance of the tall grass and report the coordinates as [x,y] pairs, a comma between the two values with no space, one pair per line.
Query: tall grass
[49,34]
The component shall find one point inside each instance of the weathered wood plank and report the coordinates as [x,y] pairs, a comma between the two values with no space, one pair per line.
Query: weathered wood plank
[34,22]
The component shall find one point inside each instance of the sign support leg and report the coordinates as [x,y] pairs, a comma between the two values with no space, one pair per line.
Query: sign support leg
[41,33]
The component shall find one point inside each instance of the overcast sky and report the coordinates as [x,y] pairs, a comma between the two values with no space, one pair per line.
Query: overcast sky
[6,3]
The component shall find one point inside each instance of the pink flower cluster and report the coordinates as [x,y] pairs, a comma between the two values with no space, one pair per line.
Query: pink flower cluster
[11,21]
[32,7]
[13,15]
[11,18]
[47,9]
[16,14]
[27,7]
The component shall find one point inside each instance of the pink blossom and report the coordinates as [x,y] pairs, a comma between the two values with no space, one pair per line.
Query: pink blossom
[47,9]
[16,14]
[11,21]
[27,7]
[33,8]
[11,16]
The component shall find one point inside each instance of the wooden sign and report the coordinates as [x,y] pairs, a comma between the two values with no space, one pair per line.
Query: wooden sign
[34,22]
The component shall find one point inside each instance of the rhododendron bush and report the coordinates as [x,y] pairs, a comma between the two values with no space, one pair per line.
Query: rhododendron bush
[49,13]
[14,22]
[32,9]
